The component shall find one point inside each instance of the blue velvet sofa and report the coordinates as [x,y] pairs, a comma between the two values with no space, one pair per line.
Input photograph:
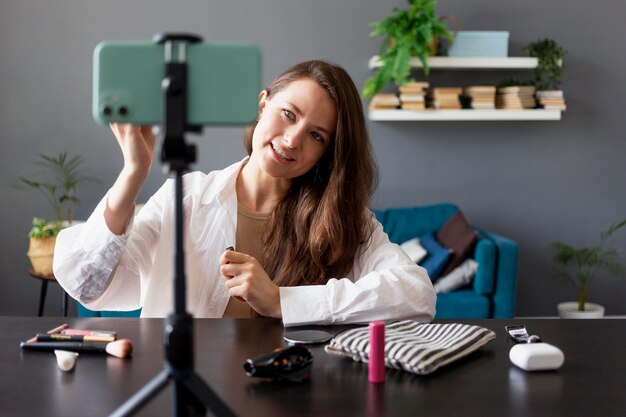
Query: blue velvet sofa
[492,292]
[490,295]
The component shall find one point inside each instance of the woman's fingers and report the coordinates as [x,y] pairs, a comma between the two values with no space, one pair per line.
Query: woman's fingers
[246,279]
[149,136]
[242,282]
[232,256]
[137,145]
[123,130]
[228,270]
[238,286]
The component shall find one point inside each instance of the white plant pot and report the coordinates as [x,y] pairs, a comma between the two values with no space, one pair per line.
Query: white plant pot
[569,310]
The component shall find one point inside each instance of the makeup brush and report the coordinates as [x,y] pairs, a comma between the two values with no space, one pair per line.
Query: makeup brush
[122,348]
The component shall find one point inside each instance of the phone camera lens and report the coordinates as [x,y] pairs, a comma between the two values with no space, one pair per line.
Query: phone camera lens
[107,110]
[123,111]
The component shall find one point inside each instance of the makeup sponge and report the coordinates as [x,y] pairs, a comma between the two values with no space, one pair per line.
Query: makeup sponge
[66,359]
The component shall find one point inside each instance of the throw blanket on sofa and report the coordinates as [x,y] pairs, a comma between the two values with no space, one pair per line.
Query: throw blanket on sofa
[412,346]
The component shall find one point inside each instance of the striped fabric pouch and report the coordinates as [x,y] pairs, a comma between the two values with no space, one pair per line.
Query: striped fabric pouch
[420,348]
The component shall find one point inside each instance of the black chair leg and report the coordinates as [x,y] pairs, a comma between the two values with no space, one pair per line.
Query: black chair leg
[64,304]
[42,296]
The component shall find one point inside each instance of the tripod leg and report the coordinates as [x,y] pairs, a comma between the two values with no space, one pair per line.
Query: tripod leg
[184,404]
[199,392]
[142,396]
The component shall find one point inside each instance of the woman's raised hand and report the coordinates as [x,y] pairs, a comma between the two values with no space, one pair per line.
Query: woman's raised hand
[137,144]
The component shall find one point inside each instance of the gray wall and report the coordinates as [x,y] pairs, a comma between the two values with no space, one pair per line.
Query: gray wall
[531,181]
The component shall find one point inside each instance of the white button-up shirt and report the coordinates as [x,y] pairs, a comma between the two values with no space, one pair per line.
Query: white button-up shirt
[105,271]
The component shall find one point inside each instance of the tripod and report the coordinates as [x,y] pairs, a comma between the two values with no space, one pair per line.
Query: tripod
[191,395]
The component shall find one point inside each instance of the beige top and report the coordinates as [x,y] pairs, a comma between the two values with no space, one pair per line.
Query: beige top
[249,227]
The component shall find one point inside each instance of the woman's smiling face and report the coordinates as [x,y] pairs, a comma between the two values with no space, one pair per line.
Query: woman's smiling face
[295,128]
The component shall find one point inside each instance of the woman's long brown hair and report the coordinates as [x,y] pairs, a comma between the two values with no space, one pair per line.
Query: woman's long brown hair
[315,230]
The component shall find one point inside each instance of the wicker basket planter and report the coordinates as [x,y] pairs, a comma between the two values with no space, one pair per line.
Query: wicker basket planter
[41,252]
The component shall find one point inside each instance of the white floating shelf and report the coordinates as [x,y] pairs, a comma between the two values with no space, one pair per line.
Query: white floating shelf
[479,63]
[467,115]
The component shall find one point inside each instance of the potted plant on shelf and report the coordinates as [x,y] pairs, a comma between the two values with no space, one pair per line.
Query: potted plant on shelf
[407,33]
[547,74]
[588,262]
[58,185]
[549,54]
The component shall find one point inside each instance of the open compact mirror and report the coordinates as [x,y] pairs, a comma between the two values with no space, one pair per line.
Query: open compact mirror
[306,337]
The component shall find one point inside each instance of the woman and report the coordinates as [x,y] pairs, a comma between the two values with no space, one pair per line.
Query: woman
[306,248]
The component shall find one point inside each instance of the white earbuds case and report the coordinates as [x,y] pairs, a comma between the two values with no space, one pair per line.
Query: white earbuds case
[536,356]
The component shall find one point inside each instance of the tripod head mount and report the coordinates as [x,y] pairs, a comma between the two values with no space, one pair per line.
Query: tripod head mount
[175,151]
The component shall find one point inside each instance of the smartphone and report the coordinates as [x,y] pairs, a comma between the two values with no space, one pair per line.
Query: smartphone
[223,83]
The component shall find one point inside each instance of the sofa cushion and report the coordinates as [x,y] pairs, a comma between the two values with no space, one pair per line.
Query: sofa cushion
[414,249]
[458,236]
[459,277]
[437,257]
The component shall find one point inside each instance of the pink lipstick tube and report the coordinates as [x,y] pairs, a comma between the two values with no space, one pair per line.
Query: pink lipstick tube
[376,364]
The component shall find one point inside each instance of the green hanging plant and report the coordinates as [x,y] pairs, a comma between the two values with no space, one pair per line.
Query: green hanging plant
[549,53]
[406,33]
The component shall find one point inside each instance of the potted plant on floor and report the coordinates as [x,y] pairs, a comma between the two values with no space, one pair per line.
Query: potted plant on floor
[588,262]
[58,184]
[407,33]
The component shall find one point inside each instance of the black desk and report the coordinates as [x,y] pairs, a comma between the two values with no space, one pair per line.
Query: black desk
[592,382]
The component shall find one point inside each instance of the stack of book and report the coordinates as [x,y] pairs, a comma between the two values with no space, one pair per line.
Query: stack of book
[412,95]
[445,98]
[481,96]
[551,99]
[516,97]
[384,101]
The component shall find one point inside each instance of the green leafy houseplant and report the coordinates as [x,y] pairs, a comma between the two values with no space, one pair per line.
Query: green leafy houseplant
[406,33]
[589,261]
[58,185]
[42,228]
[549,54]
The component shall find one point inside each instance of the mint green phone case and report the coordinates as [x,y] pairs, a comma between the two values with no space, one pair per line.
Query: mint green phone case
[223,83]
